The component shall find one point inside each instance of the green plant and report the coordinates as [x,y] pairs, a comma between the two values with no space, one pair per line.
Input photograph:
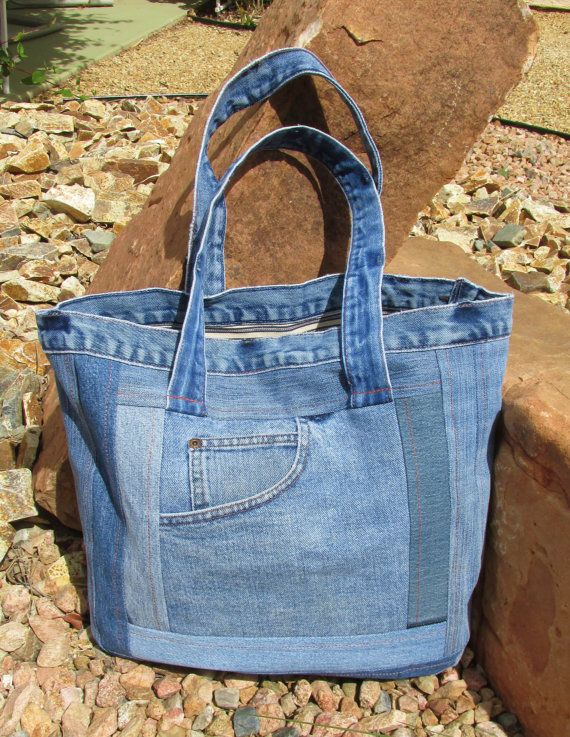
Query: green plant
[9,60]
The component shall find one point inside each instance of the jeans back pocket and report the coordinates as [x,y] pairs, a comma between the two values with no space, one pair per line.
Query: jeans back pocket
[224,470]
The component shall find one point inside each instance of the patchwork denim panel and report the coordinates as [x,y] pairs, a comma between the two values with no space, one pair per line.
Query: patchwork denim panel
[321,553]
[98,381]
[139,440]
[422,427]
[289,478]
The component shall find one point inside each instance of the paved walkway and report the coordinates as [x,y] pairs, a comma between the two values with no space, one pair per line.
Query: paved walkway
[90,34]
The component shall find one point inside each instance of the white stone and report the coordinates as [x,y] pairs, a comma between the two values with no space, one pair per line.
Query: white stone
[26,290]
[71,287]
[74,200]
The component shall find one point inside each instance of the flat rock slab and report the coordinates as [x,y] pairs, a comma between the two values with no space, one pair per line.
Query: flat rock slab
[541,332]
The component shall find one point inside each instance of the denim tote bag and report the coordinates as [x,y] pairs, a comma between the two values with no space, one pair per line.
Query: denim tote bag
[289,478]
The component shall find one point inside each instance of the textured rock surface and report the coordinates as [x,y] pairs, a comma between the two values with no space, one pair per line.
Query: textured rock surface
[522,615]
[525,627]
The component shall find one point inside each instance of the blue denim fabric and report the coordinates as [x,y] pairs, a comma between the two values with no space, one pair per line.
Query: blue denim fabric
[284,479]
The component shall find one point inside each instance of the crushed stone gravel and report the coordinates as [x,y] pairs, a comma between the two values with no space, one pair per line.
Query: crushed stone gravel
[187,57]
[543,95]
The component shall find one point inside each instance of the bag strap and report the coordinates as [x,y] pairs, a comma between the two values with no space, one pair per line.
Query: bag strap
[252,84]
[363,355]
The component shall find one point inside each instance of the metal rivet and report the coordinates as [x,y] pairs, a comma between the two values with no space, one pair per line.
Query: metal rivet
[195,443]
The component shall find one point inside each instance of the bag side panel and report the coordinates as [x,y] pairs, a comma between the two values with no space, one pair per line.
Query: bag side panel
[97,381]
[472,378]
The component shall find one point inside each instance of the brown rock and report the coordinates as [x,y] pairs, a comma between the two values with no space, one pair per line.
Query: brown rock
[13,708]
[31,159]
[323,695]
[198,686]
[387,723]
[474,678]
[47,609]
[369,693]
[271,718]
[76,720]
[404,115]
[332,724]
[50,122]
[303,692]
[221,726]
[110,692]
[139,169]
[451,690]
[24,673]
[166,687]
[134,726]
[21,189]
[54,652]
[37,722]
[264,696]
[349,706]
[8,216]
[55,678]
[424,102]
[66,598]
[104,723]
[48,629]
[16,602]
[12,636]
[138,682]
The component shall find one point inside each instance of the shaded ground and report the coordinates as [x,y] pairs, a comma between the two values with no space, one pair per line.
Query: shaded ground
[88,34]
[543,96]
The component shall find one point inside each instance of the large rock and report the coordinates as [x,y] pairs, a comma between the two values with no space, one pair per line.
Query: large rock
[522,610]
[426,86]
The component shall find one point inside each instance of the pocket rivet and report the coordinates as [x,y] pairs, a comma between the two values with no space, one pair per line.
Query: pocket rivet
[195,443]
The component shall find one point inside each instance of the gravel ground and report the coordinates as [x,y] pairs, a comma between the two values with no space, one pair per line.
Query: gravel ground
[537,164]
[543,96]
[187,57]
[507,207]
[159,64]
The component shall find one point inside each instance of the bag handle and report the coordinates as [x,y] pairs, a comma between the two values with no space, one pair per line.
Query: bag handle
[254,83]
[362,345]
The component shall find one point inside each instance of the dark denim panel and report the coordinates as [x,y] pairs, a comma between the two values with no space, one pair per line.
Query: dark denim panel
[471,390]
[422,427]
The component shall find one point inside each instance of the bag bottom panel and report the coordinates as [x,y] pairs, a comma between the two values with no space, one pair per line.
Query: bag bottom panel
[400,654]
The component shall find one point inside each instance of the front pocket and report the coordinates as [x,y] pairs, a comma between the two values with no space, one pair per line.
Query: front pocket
[235,473]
